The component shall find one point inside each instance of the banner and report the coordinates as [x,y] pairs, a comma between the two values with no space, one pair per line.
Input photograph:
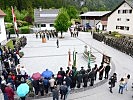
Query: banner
[14,20]
[106,59]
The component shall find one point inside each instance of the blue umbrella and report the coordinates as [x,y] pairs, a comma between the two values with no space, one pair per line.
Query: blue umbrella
[22,89]
[47,74]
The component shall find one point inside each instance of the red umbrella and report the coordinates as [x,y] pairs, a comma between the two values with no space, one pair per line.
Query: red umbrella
[36,76]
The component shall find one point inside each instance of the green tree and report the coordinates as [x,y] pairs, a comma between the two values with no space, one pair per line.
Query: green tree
[62,22]
[84,9]
[72,12]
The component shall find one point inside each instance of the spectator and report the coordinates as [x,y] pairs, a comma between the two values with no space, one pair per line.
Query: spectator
[9,91]
[51,82]
[55,93]
[121,86]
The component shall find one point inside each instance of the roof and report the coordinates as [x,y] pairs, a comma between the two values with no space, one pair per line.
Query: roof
[45,15]
[103,23]
[95,13]
[2,13]
[130,3]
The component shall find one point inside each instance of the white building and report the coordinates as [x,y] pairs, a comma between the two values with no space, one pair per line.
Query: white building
[44,18]
[121,18]
[2,27]
[102,25]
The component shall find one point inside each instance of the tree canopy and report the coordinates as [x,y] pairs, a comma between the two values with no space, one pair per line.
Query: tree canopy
[62,23]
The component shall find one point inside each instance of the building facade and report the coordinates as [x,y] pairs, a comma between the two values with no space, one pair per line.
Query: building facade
[3,37]
[93,17]
[44,18]
[121,18]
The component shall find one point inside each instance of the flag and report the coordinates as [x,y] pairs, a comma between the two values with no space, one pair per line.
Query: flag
[89,58]
[69,58]
[106,59]
[14,21]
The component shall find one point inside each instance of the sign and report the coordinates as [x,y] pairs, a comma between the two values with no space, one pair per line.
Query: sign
[106,59]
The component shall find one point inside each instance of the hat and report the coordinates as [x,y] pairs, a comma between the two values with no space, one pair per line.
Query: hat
[3,82]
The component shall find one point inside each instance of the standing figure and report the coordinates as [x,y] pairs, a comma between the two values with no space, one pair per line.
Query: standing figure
[107,69]
[112,81]
[96,70]
[57,42]
[101,70]
[121,85]
[55,93]
[9,91]
[63,90]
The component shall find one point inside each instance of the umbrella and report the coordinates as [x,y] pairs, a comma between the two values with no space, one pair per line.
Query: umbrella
[22,89]
[47,74]
[36,76]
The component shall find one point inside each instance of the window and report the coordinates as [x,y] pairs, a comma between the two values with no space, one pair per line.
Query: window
[118,19]
[117,27]
[119,11]
[126,28]
[127,19]
[122,27]
[43,25]
[130,11]
[51,25]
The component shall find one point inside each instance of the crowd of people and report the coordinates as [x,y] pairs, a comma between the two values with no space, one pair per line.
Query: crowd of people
[124,44]
[13,74]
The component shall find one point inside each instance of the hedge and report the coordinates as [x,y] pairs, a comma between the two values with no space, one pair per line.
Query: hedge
[22,30]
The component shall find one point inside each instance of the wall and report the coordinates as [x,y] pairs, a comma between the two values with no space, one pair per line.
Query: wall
[3,31]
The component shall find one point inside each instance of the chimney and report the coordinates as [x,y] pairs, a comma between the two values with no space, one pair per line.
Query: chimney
[40,9]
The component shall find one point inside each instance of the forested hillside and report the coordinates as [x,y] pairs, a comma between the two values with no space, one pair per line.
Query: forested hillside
[79,4]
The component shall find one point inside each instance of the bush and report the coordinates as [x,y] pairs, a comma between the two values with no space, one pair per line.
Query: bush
[11,30]
[21,23]
[24,30]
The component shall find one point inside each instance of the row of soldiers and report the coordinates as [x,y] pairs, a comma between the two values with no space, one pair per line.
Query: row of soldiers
[47,34]
[124,44]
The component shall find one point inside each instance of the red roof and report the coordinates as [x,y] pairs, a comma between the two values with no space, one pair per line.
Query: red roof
[2,13]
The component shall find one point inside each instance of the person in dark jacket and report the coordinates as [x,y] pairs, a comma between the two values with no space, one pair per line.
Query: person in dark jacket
[85,79]
[107,69]
[36,86]
[55,93]
[63,90]
[62,73]
[41,87]
[92,77]
[96,70]
[112,81]
[79,79]
[101,70]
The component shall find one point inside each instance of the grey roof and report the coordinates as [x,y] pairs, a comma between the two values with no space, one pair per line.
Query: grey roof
[95,13]
[130,3]
[45,15]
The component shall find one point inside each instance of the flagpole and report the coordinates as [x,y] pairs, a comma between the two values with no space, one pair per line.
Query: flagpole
[73,57]
[89,58]
[69,58]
